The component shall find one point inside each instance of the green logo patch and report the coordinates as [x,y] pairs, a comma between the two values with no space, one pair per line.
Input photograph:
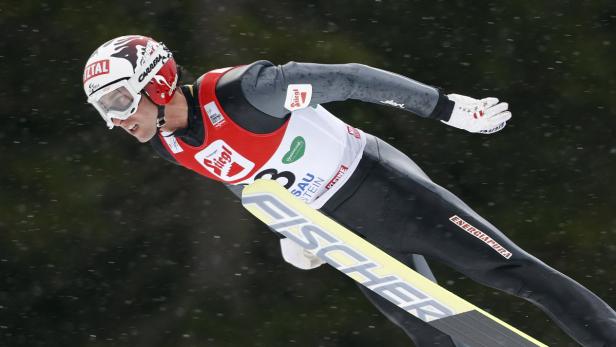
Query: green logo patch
[298,146]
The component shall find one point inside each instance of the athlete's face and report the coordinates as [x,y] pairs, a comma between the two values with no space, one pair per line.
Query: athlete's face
[142,124]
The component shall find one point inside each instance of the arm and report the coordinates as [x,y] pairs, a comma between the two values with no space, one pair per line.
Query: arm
[265,87]
[292,253]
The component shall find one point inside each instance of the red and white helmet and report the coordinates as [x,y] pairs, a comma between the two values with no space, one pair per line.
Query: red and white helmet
[119,70]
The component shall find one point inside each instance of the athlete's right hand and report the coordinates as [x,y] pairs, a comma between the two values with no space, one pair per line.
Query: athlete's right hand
[484,116]
[297,256]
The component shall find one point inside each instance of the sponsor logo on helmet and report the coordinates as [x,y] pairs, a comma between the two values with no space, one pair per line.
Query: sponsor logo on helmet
[163,82]
[93,87]
[160,58]
[222,161]
[131,48]
[298,96]
[97,68]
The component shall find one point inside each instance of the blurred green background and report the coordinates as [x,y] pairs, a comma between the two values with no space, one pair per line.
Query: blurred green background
[104,244]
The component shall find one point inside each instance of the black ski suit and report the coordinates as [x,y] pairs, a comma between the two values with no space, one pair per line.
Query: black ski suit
[409,215]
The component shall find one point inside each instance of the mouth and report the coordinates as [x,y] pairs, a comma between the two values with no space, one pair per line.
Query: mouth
[133,128]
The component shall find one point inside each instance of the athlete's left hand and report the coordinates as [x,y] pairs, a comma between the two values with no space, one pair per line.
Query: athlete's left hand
[484,116]
[297,256]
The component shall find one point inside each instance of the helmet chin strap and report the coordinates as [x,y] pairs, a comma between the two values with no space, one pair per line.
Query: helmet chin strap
[160,118]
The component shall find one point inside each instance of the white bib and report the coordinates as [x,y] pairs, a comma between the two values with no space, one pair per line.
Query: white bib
[317,155]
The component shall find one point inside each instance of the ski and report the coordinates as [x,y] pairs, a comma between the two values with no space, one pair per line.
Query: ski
[375,269]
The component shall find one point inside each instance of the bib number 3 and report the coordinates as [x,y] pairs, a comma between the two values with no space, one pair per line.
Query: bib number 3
[273,174]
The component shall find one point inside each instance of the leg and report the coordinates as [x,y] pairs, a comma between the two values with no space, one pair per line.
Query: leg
[400,210]
[351,214]
[577,311]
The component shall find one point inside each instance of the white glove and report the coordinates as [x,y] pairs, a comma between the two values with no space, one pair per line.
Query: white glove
[297,256]
[484,116]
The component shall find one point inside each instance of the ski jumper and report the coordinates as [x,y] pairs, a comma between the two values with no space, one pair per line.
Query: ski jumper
[381,194]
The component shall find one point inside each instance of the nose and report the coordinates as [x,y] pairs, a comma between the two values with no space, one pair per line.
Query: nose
[116,122]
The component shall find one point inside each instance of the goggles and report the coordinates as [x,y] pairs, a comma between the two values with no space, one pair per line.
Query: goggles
[120,98]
